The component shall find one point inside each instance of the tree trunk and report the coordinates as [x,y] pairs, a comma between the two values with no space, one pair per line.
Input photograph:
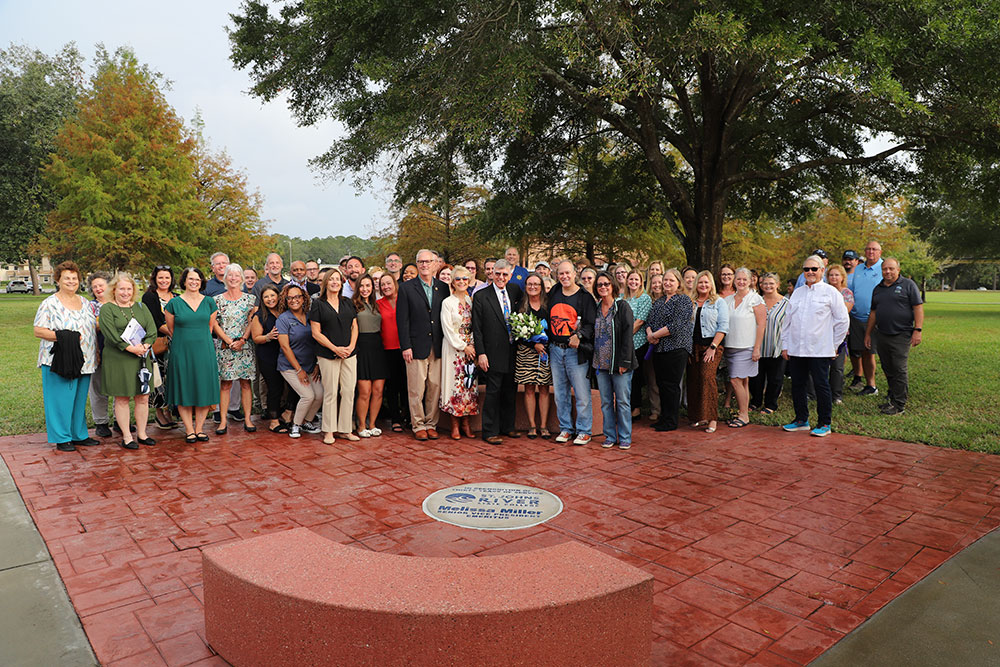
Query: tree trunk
[703,240]
[33,272]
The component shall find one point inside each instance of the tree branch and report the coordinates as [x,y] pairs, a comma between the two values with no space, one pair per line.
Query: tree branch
[763,175]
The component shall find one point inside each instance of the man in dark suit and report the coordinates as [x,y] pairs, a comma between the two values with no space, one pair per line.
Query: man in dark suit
[491,309]
[418,319]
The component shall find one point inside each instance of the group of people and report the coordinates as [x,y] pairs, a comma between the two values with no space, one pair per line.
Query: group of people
[408,341]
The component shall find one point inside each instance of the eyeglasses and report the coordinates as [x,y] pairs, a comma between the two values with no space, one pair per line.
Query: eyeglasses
[297,297]
[810,269]
[455,280]
[425,261]
[162,267]
[600,285]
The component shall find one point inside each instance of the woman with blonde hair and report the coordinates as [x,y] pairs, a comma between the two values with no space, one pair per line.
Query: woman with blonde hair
[334,324]
[711,324]
[122,360]
[765,387]
[655,286]
[640,302]
[459,386]
[669,331]
[373,368]
[747,318]
[232,345]
[836,277]
[655,268]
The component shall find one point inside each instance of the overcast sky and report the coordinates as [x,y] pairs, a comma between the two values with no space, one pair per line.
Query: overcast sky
[187,42]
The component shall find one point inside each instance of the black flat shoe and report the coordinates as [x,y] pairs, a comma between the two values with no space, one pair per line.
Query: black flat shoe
[130,445]
[220,431]
[165,426]
[191,438]
[250,429]
[149,442]
[66,447]
[89,442]
[102,431]
[201,437]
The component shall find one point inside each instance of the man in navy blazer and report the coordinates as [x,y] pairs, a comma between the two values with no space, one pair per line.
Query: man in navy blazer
[418,319]
[495,352]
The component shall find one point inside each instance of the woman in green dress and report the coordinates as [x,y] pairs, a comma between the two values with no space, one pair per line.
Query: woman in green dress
[122,360]
[193,371]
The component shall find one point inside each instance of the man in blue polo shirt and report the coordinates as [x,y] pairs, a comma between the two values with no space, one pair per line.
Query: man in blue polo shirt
[520,273]
[862,282]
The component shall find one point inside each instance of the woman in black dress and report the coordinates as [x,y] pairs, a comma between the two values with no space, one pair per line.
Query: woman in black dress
[265,337]
[373,368]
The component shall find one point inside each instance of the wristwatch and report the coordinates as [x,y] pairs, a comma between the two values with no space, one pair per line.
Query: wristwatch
[713,346]
[917,329]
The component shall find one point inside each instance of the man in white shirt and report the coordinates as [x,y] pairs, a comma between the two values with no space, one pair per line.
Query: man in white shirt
[816,322]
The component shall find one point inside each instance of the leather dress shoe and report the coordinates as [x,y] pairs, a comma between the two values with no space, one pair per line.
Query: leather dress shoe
[494,440]
[512,434]
[432,434]
[65,447]
[420,435]
[88,442]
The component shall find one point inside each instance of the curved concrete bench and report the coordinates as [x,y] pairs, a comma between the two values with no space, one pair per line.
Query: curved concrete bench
[296,598]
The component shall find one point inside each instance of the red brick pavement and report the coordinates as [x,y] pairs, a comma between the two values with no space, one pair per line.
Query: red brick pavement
[766,547]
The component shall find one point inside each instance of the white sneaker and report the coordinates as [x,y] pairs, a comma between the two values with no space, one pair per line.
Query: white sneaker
[310,427]
[563,437]
[365,433]
[582,439]
[376,432]
[295,431]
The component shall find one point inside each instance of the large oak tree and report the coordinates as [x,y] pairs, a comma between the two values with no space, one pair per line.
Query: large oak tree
[737,108]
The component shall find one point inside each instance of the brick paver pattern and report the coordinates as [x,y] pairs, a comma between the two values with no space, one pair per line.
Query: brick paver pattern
[766,547]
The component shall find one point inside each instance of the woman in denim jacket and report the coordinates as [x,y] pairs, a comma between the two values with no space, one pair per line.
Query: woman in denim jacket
[711,324]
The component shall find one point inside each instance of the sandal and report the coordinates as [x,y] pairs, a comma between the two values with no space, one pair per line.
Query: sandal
[736,422]
[710,429]
[201,437]
[532,433]
[191,438]
[544,433]
[282,427]
[397,428]
[767,411]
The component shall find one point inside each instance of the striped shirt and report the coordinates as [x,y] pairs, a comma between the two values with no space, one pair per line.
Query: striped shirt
[771,347]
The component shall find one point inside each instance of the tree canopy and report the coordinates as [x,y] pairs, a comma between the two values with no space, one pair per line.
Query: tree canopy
[134,188]
[37,93]
[736,110]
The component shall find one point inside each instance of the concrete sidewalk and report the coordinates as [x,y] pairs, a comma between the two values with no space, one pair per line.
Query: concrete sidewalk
[38,625]
[951,617]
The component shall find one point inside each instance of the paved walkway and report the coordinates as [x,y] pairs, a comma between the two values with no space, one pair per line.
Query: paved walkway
[766,547]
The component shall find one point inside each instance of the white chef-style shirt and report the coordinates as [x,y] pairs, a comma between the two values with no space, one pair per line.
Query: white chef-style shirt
[816,321]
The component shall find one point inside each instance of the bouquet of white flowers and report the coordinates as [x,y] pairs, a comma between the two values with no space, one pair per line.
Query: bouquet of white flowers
[525,326]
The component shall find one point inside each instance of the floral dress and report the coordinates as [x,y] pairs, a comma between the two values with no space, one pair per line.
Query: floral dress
[234,316]
[459,384]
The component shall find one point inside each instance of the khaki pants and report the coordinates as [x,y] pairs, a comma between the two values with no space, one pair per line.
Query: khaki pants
[339,377]
[423,381]
[310,397]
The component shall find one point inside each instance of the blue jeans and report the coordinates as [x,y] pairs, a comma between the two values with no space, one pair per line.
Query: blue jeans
[568,374]
[616,405]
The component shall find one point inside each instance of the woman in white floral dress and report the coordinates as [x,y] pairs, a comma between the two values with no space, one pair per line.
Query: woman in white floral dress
[233,348]
[459,384]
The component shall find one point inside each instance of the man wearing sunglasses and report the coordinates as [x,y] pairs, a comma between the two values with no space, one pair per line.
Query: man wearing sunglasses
[815,322]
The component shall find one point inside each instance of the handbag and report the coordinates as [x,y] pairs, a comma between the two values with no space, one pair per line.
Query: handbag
[160,345]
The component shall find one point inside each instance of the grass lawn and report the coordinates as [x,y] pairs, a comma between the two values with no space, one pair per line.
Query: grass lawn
[954,378]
